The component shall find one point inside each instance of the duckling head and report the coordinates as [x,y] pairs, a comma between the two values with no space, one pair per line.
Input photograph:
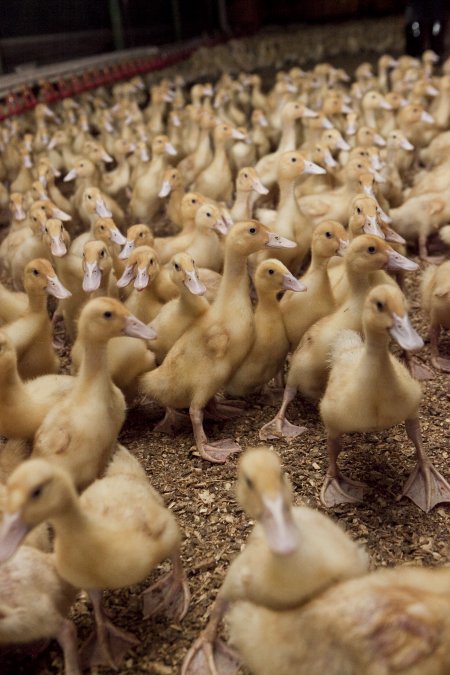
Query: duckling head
[104,318]
[334,140]
[248,180]
[208,217]
[171,181]
[95,151]
[94,203]
[293,164]
[106,230]
[40,277]
[368,253]
[397,140]
[161,145]
[96,263]
[249,236]
[329,239]
[137,235]
[322,156]
[265,493]
[16,206]
[56,237]
[184,271]
[190,203]
[142,268]
[272,276]
[364,217]
[35,491]
[385,311]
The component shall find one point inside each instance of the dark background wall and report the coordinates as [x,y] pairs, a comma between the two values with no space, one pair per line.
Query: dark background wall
[43,31]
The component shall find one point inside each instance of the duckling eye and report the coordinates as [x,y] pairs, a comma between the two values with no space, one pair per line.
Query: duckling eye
[107,315]
[89,196]
[328,235]
[36,272]
[415,110]
[380,306]
[371,249]
[177,267]
[271,271]
[249,483]
[102,253]
[102,227]
[252,230]
[293,159]
[245,175]
[152,262]
[36,493]
[208,214]
[394,135]
[193,201]
[358,210]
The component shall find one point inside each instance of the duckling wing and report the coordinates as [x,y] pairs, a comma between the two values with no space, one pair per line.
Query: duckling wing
[267,216]
[314,209]
[346,348]
[217,340]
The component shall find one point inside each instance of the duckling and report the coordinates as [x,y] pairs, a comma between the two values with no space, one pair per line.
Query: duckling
[262,362]
[137,235]
[215,181]
[24,179]
[94,207]
[24,405]
[31,333]
[36,603]
[80,432]
[16,209]
[292,554]
[172,185]
[46,175]
[142,268]
[259,137]
[205,246]
[247,181]
[309,367]
[373,102]
[192,165]
[299,312]
[178,314]
[144,201]
[435,289]
[168,246]
[140,533]
[205,357]
[114,182]
[379,394]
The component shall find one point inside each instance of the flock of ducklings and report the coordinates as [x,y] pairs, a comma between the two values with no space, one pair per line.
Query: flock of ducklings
[286,211]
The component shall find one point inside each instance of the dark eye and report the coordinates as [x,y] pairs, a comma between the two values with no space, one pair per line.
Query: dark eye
[208,214]
[380,306]
[36,272]
[252,230]
[371,249]
[328,235]
[358,210]
[193,201]
[102,227]
[245,175]
[177,267]
[107,315]
[293,159]
[271,271]
[249,482]
[103,253]
[36,492]
[152,261]
[89,196]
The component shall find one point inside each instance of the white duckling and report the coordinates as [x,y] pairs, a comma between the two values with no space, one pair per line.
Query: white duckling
[279,568]
[80,432]
[379,394]
[205,357]
[119,519]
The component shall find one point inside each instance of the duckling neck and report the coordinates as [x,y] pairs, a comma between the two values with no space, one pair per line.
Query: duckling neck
[288,137]
[287,193]
[377,347]
[234,279]
[37,302]
[220,156]
[370,118]
[242,207]
[94,361]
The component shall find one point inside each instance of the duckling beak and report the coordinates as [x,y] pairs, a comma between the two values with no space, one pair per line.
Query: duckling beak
[127,276]
[307,112]
[278,526]
[193,284]
[27,162]
[263,121]
[343,246]
[275,241]
[70,176]
[404,334]
[135,328]
[391,235]
[329,159]
[170,149]
[371,227]
[346,109]
[396,261]
[101,209]
[426,117]
[259,187]
[43,181]
[378,178]
[326,124]
[125,252]
[145,157]
[61,215]
[431,91]
[12,533]
[379,140]
[384,216]
[55,288]
[165,189]
[117,236]
[52,143]
[19,213]
[310,167]
[58,247]
[92,277]
[342,145]
[142,279]
[406,145]
[237,135]
[220,226]
[290,283]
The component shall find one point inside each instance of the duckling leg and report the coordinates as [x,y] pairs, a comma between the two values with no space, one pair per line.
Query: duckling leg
[209,655]
[337,488]
[172,422]
[170,593]
[438,361]
[214,452]
[280,427]
[425,486]
[67,638]
[417,369]
[108,644]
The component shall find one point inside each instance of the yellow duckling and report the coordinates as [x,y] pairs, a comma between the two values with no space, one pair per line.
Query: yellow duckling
[94,207]
[172,185]
[46,175]
[25,404]
[17,211]
[168,246]
[206,247]
[31,333]
[215,181]
[177,315]
[196,162]
[145,201]
[137,235]
[247,182]
[112,536]
[270,347]
[293,553]
[309,367]
[205,357]
[379,394]
[299,312]
[80,432]
[142,268]
[436,303]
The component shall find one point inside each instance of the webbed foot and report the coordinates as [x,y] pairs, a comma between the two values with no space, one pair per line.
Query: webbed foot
[426,487]
[280,427]
[219,451]
[441,363]
[172,422]
[106,646]
[341,490]
[171,594]
[420,371]
[207,657]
